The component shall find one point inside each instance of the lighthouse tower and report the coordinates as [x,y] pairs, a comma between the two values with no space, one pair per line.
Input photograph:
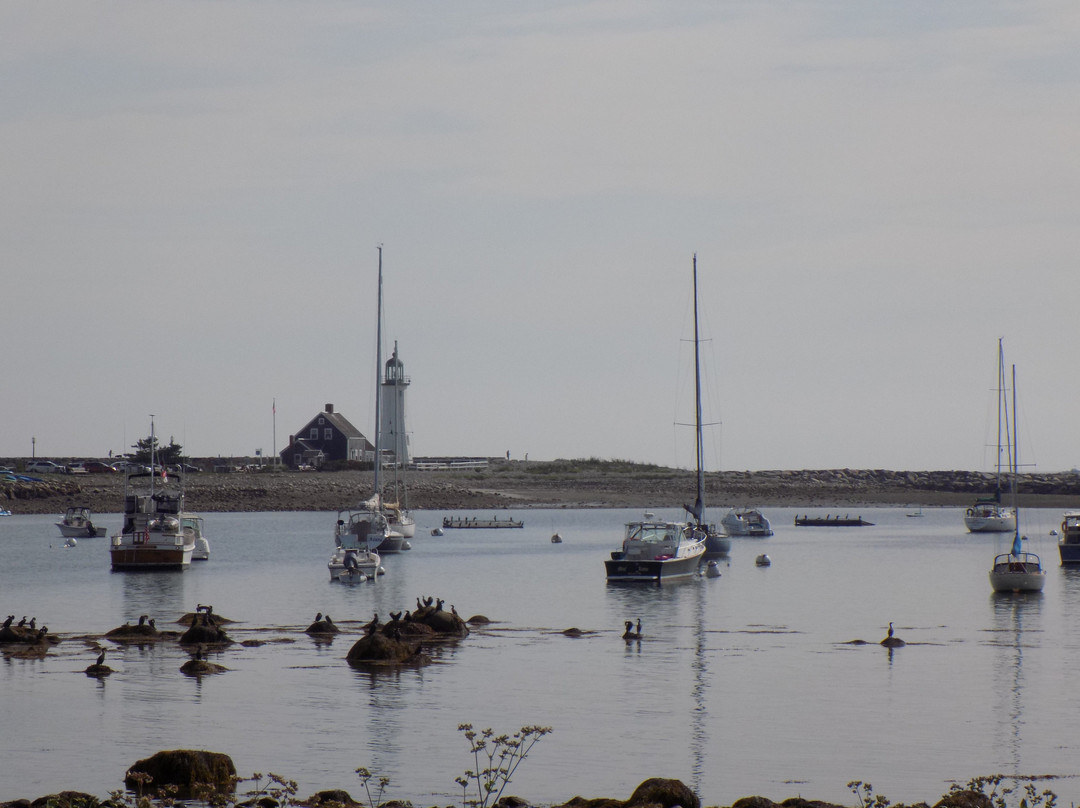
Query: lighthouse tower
[393,437]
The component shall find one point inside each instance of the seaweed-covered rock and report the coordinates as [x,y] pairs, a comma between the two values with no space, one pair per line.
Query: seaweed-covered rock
[185,769]
[205,632]
[66,799]
[665,792]
[378,649]
[334,796]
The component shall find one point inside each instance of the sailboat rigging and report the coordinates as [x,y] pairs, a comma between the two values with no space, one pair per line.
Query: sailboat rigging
[988,515]
[658,550]
[1016,570]
[359,531]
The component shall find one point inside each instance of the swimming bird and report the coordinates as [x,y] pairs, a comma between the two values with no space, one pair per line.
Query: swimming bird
[630,634]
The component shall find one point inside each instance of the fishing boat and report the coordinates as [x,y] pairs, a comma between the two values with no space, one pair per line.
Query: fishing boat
[987,514]
[1069,538]
[659,550]
[746,522]
[1016,570]
[77,524]
[359,531]
[152,536]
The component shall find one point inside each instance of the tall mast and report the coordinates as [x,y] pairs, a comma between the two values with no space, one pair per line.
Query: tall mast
[378,372]
[699,506]
[1015,467]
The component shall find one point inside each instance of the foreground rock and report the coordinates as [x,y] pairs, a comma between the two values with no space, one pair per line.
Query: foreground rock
[187,769]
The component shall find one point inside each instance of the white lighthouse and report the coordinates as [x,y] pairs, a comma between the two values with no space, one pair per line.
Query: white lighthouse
[394,437]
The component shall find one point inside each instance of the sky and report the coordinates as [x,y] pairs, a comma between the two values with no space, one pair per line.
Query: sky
[192,195]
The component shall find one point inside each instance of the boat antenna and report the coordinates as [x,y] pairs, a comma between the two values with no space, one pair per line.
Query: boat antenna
[378,378]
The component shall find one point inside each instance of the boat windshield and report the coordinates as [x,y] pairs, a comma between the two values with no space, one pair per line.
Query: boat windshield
[653,532]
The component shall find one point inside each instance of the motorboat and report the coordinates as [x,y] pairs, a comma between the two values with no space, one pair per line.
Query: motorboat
[357,534]
[394,541]
[1016,570]
[77,524]
[988,514]
[1069,541]
[659,550]
[763,560]
[194,523]
[152,536]
[746,522]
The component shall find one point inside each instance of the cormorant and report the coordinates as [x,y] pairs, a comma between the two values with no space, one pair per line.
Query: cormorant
[100,659]
[439,605]
[142,619]
[328,620]
[318,617]
[33,622]
[639,626]
[630,634]
[23,621]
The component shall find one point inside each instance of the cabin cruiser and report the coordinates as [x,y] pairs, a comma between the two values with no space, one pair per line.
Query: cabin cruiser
[153,536]
[746,522]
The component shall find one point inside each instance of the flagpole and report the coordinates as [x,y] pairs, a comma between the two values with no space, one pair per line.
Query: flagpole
[274,444]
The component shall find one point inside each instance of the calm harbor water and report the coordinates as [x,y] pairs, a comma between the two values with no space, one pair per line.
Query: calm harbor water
[744,684]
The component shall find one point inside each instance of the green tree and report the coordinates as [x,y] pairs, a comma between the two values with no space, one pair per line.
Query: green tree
[147,447]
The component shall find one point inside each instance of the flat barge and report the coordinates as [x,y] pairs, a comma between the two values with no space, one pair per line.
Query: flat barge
[830,521]
[472,523]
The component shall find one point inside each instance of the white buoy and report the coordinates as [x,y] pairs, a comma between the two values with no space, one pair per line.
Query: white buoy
[712,570]
[70,542]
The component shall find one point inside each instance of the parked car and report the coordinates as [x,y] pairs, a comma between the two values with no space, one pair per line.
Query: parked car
[97,467]
[44,467]
[128,467]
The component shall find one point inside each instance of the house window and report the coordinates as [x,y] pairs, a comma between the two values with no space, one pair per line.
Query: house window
[298,460]
[322,421]
[314,433]
[328,434]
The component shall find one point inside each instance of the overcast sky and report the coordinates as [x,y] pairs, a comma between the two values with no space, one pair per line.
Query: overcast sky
[192,195]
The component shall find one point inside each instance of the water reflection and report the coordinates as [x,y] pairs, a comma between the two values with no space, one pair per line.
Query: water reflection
[1017,617]
[154,593]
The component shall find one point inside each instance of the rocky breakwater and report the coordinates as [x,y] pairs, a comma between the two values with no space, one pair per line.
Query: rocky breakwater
[559,484]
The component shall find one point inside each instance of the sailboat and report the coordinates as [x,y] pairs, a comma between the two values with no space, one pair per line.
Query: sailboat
[988,515]
[1016,570]
[659,550]
[359,531]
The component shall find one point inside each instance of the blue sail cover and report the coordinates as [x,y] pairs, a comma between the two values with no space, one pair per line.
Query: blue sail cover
[1017,548]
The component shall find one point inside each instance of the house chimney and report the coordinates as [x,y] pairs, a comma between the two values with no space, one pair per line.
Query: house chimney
[329,407]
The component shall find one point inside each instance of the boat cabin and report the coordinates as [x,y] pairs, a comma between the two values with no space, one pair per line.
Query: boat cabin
[651,540]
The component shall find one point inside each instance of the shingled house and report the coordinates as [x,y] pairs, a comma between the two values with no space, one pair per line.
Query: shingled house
[326,437]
